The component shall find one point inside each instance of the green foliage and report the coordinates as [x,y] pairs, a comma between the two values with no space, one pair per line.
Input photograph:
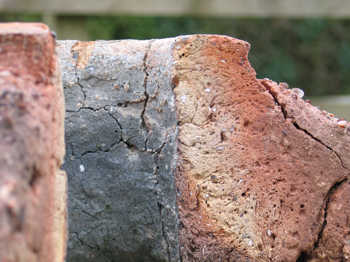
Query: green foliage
[20,17]
[311,54]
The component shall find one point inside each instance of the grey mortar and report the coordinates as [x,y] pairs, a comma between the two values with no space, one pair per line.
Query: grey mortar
[120,131]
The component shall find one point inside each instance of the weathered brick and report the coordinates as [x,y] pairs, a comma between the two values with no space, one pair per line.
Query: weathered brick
[32,187]
[176,150]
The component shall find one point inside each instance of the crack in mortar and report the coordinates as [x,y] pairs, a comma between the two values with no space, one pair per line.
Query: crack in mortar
[145,70]
[159,204]
[157,152]
[82,242]
[80,85]
[121,140]
[105,108]
[86,108]
[126,142]
[161,207]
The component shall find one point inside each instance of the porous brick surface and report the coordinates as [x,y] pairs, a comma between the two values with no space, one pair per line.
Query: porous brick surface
[32,187]
[259,165]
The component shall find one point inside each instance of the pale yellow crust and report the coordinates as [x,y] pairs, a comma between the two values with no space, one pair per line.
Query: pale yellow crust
[252,183]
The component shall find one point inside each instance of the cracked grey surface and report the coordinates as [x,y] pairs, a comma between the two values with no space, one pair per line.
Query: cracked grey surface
[121,142]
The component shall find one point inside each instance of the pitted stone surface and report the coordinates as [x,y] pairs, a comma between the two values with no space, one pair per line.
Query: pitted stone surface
[120,136]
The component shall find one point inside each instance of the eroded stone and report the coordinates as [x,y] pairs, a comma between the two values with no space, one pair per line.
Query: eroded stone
[175,149]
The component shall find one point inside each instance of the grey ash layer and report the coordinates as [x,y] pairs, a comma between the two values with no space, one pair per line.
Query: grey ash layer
[120,131]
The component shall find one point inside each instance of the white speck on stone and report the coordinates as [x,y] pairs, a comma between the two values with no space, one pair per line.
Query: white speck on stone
[223,61]
[299,92]
[207,90]
[183,99]
[219,148]
[250,243]
[178,47]
[82,168]
[213,109]
[240,181]
[5,191]
[243,172]
[342,123]
[90,69]
[5,73]
[126,86]
[269,232]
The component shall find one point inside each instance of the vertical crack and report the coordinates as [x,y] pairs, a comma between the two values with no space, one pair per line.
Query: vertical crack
[122,139]
[117,122]
[160,205]
[146,72]
[326,202]
[305,255]
[78,79]
[81,88]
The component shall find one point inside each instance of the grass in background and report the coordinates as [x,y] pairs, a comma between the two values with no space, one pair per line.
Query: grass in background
[312,54]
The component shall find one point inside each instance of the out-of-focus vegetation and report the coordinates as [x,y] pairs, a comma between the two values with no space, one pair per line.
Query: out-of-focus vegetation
[312,54]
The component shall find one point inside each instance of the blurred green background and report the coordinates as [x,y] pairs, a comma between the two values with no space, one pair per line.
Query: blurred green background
[310,53]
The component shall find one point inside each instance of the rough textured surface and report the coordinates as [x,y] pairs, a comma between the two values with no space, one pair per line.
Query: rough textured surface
[260,174]
[258,166]
[120,136]
[32,188]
